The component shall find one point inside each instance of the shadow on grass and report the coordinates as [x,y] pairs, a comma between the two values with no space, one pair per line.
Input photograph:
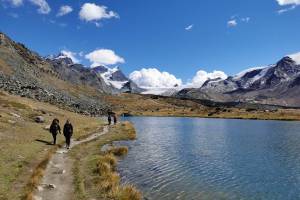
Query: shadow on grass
[44,141]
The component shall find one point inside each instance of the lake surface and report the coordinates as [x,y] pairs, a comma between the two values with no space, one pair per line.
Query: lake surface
[192,158]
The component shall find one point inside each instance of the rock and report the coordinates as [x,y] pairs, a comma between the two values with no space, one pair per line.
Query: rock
[40,188]
[47,127]
[39,119]
[60,172]
[37,198]
[15,115]
[50,186]
[11,122]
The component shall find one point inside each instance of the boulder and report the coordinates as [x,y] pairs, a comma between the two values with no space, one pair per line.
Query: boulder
[39,119]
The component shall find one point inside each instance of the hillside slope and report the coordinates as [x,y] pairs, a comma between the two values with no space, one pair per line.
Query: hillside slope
[25,73]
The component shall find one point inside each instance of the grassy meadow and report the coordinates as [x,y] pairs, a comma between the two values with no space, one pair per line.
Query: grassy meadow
[26,145]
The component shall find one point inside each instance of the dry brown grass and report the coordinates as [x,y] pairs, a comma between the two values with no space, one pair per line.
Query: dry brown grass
[146,105]
[25,144]
[118,151]
[95,174]
[129,192]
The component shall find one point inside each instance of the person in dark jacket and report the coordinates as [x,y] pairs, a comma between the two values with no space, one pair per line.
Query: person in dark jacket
[115,118]
[109,118]
[54,129]
[68,132]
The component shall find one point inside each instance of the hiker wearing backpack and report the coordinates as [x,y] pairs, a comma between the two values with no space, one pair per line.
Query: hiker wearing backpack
[55,129]
[68,132]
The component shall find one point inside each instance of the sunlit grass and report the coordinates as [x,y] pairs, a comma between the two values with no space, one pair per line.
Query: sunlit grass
[25,145]
[96,175]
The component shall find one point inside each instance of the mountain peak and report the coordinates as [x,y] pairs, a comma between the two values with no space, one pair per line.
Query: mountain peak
[295,57]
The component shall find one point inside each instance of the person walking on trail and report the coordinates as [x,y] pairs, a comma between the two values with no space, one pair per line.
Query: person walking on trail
[54,129]
[115,118]
[109,118]
[68,132]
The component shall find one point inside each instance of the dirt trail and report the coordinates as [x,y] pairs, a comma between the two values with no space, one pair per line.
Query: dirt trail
[57,182]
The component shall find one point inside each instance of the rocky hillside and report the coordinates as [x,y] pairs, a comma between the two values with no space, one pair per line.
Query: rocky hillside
[277,84]
[25,73]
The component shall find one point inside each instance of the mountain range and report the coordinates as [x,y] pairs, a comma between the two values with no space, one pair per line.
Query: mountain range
[58,80]
[277,84]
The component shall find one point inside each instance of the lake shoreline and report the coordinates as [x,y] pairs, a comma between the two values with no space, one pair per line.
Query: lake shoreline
[216,117]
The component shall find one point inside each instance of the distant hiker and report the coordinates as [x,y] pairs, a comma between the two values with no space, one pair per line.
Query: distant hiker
[115,118]
[109,118]
[68,132]
[54,129]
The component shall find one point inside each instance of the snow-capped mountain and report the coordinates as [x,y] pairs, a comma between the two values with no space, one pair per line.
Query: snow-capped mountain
[111,80]
[115,78]
[273,84]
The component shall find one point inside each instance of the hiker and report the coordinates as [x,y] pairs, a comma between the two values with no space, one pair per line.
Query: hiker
[109,118]
[68,132]
[115,118]
[54,129]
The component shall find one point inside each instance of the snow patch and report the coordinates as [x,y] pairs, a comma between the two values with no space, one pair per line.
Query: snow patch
[295,57]
[165,91]
[242,73]
[108,75]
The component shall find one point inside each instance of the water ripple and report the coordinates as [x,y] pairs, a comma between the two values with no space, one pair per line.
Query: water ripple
[189,158]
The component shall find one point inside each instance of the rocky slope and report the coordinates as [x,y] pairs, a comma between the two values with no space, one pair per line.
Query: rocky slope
[277,84]
[25,73]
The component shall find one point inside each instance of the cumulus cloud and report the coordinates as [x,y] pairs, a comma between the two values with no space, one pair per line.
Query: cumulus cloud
[92,12]
[71,55]
[202,76]
[44,7]
[64,10]
[104,57]
[153,78]
[190,27]
[288,2]
[295,57]
[232,23]
[292,3]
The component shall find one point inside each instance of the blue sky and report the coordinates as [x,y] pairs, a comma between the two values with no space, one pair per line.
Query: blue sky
[176,36]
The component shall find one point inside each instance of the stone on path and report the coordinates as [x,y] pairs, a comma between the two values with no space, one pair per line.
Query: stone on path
[39,119]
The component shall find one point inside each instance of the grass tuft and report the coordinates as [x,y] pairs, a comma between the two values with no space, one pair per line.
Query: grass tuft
[129,192]
[119,151]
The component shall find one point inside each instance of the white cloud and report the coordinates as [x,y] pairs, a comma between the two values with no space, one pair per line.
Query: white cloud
[104,57]
[93,12]
[245,19]
[202,76]
[288,2]
[71,55]
[232,23]
[284,10]
[15,3]
[295,57]
[190,27]
[44,7]
[153,78]
[64,10]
